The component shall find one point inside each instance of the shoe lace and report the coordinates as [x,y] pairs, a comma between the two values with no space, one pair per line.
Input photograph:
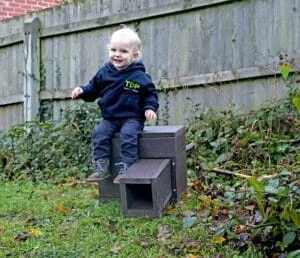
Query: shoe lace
[122,167]
[100,165]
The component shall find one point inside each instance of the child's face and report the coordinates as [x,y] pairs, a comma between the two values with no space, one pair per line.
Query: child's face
[121,52]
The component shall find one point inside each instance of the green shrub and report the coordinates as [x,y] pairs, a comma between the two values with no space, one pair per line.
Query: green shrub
[52,149]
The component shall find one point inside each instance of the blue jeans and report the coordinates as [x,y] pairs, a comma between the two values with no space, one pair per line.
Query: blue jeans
[129,132]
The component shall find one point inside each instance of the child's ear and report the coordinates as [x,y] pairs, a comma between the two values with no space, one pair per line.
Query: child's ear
[136,55]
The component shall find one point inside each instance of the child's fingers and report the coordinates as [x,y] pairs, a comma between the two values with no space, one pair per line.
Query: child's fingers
[149,114]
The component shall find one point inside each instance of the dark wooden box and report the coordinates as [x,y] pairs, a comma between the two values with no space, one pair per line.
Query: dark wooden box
[155,142]
[146,189]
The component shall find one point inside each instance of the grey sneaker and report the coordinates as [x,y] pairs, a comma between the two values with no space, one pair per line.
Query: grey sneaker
[101,171]
[123,167]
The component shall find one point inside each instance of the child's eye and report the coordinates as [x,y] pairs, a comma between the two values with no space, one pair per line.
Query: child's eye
[124,51]
[113,49]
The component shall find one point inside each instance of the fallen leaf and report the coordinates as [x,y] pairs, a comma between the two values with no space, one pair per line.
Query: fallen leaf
[116,249]
[250,208]
[112,227]
[198,186]
[186,196]
[36,232]
[240,229]
[204,213]
[61,208]
[171,209]
[163,233]
[23,236]
[222,214]
[188,222]
[218,239]
[190,243]
[257,218]
[189,214]
[191,256]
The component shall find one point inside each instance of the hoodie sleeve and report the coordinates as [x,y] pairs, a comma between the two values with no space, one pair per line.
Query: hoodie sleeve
[150,97]
[92,90]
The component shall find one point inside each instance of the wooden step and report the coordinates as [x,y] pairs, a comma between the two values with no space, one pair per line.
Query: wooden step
[146,188]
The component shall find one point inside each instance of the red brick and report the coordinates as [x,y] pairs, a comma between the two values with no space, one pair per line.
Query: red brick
[15,14]
[8,9]
[20,1]
[14,5]
[31,2]
[49,1]
[19,10]
[42,5]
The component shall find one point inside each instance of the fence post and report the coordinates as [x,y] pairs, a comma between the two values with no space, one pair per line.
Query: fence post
[31,68]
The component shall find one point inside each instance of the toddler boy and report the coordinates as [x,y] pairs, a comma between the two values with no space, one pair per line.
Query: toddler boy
[127,98]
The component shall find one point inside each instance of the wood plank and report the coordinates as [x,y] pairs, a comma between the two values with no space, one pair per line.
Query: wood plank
[10,100]
[120,18]
[202,79]
[144,170]
[11,40]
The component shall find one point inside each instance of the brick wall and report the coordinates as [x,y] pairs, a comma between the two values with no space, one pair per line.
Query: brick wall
[11,8]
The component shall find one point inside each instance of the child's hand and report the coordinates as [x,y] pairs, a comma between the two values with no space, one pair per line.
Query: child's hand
[150,114]
[76,93]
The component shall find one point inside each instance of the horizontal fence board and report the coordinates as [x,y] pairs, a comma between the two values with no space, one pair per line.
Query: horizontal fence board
[217,78]
[11,40]
[4,101]
[135,15]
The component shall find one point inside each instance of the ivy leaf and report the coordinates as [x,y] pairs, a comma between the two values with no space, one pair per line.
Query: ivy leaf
[188,222]
[296,100]
[295,217]
[271,189]
[289,237]
[285,70]
[294,254]
[222,158]
[259,189]
[258,186]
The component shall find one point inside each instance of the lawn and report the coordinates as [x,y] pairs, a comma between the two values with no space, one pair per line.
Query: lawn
[66,220]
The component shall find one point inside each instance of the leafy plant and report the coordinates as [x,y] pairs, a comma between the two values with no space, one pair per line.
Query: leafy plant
[262,145]
[51,149]
[278,202]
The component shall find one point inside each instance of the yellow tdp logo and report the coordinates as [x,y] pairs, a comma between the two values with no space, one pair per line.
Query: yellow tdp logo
[132,85]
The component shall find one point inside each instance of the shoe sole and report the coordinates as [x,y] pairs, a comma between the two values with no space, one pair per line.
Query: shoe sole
[97,180]
[116,181]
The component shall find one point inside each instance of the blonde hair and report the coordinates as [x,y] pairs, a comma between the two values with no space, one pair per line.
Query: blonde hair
[130,34]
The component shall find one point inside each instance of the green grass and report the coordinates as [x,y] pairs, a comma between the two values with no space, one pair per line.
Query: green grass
[68,221]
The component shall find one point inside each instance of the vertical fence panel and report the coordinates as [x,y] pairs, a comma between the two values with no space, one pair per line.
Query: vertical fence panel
[214,53]
[32,69]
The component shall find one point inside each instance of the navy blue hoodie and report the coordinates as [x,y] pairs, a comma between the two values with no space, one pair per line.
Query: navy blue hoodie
[125,93]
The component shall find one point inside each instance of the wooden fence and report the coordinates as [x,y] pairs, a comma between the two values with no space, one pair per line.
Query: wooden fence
[215,53]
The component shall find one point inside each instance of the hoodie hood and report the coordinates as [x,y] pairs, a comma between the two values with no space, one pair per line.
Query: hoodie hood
[134,66]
